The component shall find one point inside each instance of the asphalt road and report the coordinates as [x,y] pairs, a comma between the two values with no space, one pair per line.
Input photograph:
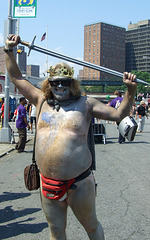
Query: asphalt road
[123,197]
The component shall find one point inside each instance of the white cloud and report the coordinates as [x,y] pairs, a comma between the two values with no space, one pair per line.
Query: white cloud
[58,49]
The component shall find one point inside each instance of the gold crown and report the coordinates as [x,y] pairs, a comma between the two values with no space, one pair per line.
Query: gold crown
[61,70]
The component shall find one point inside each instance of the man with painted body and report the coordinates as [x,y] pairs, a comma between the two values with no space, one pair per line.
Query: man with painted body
[62,153]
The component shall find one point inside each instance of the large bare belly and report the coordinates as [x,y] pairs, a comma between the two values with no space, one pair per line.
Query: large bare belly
[62,155]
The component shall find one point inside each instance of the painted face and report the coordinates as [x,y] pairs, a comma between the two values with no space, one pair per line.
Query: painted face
[60,89]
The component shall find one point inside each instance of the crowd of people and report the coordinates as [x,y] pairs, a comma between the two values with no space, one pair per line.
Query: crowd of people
[139,111]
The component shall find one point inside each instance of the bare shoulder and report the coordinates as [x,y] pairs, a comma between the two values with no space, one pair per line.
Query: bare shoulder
[93,102]
[98,109]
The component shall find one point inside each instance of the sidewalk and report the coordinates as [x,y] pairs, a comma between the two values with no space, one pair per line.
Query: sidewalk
[6,148]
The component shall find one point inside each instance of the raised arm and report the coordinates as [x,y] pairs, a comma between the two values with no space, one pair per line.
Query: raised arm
[26,88]
[100,110]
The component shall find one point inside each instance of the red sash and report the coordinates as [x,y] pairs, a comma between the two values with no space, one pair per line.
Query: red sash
[55,189]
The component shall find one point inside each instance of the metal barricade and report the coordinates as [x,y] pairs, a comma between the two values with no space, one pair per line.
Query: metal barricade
[99,130]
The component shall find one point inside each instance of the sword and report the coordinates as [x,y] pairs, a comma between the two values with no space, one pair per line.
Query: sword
[32,46]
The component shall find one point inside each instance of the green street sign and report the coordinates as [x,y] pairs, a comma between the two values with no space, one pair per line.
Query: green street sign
[25,8]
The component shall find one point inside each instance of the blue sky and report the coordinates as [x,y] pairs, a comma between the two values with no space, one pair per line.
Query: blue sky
[66,20]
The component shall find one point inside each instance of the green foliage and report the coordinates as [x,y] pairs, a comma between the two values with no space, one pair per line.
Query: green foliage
[145,76]
[92,89]
[112,89]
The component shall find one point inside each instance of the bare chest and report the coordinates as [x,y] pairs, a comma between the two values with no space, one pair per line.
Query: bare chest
[72,117]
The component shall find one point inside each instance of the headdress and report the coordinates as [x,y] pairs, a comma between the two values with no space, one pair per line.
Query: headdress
[60,71]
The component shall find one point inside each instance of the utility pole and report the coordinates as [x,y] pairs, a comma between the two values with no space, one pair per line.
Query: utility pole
[47,47]
[6,131]
[17,57]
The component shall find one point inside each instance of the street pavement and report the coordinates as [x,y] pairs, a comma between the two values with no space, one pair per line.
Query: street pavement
[123,194]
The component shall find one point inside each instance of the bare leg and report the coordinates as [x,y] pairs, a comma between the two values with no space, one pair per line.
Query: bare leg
[56,215]
[31,127]
[139,125]
[82,202]
[142,124]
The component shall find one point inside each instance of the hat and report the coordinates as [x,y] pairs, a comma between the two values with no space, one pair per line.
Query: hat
[142,102]
[60,71]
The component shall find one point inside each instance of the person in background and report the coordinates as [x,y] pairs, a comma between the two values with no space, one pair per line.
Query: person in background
[140,114]
[115,103]
[21,124]
[27,110]
[32,116]
[15,113]
[133,110]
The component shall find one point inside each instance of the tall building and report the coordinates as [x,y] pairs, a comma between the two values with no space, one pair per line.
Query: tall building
[22,59]
[33,70]
[104,45]
[138,46]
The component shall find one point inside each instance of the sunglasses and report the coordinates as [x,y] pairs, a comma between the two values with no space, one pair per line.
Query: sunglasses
[64,83]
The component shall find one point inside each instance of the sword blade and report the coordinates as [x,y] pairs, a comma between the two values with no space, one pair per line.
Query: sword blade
[76,61]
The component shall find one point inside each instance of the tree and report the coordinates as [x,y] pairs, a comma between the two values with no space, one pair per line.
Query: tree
[92,89]
[145,76]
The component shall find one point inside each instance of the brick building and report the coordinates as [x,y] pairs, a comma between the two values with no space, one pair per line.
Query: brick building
[104,45]
[22,58]
[2,60]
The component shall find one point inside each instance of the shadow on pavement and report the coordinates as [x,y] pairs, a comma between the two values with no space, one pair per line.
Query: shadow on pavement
[18,227]
[21,227]
[8,196]
[8,214]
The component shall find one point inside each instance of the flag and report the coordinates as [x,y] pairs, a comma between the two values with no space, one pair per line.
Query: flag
[43,37]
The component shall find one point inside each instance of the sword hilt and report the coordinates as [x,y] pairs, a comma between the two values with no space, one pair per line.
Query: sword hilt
[27,44]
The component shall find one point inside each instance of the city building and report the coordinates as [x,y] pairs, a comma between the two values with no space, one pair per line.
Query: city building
[80,75]
[12,88]
[138,46]
[22,58]
[32,74]
[2,60]
[33,70]
[104,45]
[36,81]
